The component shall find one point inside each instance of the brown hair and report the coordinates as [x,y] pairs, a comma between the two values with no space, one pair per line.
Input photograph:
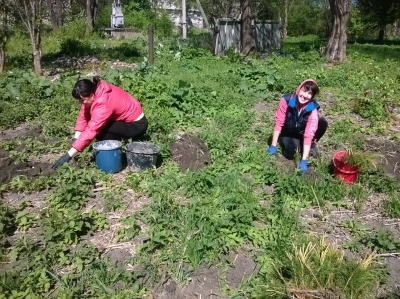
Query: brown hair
[311,86]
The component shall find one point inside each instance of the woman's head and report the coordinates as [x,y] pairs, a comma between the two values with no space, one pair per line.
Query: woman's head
[84,90]
[308,90]
[311,86]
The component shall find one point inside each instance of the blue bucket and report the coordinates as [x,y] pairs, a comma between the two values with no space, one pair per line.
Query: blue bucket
[108,155]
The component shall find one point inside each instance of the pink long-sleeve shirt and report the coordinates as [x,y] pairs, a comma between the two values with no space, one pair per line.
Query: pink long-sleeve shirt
[110,103]
[312,122]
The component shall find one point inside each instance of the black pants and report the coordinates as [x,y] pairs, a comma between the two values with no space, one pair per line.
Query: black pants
[117,130]
[292,142]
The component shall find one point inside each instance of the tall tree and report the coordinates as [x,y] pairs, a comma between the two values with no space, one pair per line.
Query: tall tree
[4,15]
[91,11]
[31,13]
[55,12]
[335,50]
[205,19]
[285,18]
[246,29]
[379,13]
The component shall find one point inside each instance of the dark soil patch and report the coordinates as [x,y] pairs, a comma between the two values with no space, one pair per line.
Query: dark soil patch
[391,151]
[211,282]
[20,132]
[189,152]
[10,169]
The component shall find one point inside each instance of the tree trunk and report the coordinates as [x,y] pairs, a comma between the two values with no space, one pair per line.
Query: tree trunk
[2,59]
[285,19]
[336,47]
[55,10]
[204,17]
[31,12]
[3,33]
[95,6]
[91,11]
[89,17]
[247,38]
[395,27]
[36,50]
[381,34]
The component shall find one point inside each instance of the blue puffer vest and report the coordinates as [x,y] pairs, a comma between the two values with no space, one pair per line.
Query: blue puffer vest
[295,122]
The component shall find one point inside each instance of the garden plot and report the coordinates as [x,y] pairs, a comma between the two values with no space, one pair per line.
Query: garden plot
[217,217]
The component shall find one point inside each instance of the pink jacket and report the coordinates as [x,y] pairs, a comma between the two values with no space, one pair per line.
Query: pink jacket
[312,122]
[110,103]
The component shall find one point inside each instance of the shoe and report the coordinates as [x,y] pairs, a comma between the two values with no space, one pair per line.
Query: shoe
[314,151]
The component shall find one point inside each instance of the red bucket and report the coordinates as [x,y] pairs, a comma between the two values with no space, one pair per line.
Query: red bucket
[344,171]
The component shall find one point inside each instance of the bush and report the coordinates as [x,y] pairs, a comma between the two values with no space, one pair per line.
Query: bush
[74,47]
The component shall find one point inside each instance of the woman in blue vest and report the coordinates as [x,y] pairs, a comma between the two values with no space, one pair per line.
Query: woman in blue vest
[297,124]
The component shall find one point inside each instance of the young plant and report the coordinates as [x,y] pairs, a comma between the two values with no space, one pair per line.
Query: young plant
[361,159]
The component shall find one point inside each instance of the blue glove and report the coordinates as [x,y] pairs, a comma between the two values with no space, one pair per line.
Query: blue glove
[271,150]
[64,159]
[303,166]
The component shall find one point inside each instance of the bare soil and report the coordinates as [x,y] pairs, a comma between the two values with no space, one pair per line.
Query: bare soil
[189,152]
[390,149]
[210,282]
[11,168]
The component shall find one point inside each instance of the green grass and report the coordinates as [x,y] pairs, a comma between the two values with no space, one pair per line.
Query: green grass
[195,218]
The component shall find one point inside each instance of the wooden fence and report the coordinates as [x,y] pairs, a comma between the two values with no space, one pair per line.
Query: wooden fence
[267,35]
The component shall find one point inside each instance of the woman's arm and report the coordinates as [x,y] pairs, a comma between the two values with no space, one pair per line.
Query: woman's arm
[309,133]
[101,114]
[275,138]
[306,151]
[280,116]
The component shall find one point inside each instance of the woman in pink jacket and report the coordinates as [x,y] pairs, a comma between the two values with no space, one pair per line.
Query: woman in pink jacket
[107,113]
[297,124]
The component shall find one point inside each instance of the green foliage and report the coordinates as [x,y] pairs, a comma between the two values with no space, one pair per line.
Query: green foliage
[382,241]
[371,108]
[379,182]
[128,231]
[356,25]
[139,16]
[391,207]
[232,55]
[314,266]
[361,159]
[194,218]
[74,47]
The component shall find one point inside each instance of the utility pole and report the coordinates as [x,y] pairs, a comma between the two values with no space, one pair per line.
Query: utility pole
[184,27]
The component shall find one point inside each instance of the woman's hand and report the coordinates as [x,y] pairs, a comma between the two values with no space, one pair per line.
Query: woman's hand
[303,166]
[271,150]
[63,159]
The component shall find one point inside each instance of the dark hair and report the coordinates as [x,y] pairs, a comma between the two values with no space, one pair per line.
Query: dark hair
[311,86]
[85,87]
